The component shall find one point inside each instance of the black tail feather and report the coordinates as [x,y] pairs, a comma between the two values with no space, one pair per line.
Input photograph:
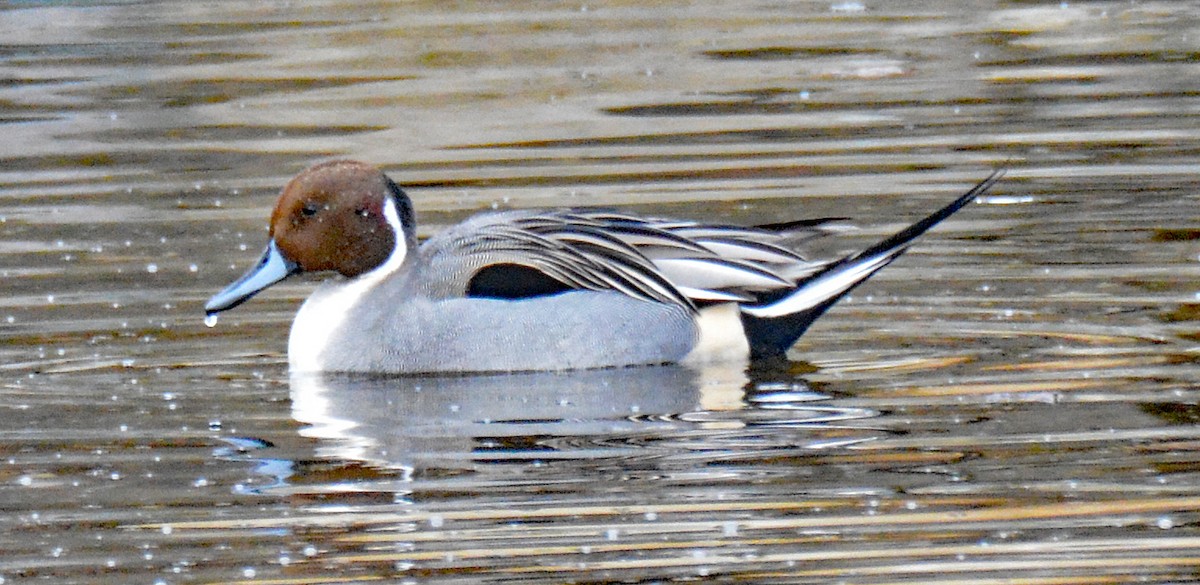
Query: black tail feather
[773,334]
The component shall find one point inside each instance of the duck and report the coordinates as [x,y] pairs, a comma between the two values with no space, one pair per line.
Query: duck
[540,289]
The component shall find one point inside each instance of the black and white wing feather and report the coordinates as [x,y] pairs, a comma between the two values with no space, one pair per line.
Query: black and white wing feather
[668,261]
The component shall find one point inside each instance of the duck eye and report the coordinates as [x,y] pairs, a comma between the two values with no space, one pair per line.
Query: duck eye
[309,209]
[364,212]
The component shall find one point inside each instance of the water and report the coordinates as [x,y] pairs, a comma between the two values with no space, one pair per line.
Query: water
[1013,399]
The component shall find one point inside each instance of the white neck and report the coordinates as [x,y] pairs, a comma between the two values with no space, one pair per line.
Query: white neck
[332,304]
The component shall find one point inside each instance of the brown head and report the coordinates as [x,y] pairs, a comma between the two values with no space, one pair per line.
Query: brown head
[332,217]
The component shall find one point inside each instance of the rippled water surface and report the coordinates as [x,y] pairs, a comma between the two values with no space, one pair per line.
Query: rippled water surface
[1012,401]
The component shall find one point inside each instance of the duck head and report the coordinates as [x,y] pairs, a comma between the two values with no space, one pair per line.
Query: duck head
[342,216]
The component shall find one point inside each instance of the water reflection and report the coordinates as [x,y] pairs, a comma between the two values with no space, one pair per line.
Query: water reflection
[460,422]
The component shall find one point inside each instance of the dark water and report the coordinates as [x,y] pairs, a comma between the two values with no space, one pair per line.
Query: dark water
[1013,401]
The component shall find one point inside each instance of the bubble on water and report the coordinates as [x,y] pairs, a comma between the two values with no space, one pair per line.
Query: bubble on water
[249,572]
[152,268]
[651,516]
[729,529]
[1165,522]
[10,319]
[436,521]
[612,534]
[848,7]
[310,551]
[210,320]
[193,268]
[200,482]
[50,299]
[25,480]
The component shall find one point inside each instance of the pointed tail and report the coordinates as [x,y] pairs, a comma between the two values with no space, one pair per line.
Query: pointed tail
[774,325]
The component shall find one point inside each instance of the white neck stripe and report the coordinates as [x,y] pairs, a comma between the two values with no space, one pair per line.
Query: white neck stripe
[325,312]
[400,251]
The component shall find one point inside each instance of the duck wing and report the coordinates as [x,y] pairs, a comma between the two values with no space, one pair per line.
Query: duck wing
[524,254]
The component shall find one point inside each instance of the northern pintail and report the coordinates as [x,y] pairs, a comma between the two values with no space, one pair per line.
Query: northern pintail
[536,290]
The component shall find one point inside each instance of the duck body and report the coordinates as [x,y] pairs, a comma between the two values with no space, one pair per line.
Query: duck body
[457,335]
[536,290]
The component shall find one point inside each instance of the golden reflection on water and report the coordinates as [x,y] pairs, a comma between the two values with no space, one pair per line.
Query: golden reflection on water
[1012,401]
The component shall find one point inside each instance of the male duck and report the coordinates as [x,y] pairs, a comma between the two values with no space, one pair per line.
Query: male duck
[536,289]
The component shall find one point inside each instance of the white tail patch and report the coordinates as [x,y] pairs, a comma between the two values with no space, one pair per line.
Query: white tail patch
[721,337]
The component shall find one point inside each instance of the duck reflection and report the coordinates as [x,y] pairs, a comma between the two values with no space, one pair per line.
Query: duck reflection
[454,422]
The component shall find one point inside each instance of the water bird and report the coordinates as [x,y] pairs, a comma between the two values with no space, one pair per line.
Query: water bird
[537,290]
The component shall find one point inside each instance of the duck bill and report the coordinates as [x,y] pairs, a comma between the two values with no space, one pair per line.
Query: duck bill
[270,269]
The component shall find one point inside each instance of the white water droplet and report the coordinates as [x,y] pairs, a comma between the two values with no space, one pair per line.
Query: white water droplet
[210,320]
